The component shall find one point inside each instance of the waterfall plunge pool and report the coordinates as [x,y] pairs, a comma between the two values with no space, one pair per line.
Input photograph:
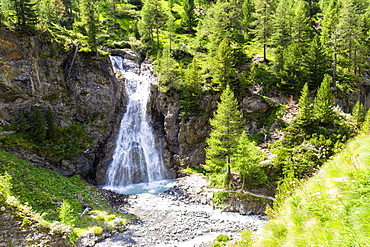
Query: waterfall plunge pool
[154,188]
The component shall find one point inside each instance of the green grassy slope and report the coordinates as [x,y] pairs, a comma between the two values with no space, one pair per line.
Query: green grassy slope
[331,208]
[51,200]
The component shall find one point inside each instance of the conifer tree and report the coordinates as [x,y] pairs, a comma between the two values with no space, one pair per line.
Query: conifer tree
[316,63]
[358,113]
[38,125]
[365,127]
[191,88]
[90,14]
[222,21]
[352,51]
[168,67]
[188,15]
[282,29]
[324,101]
[247,11]
[51,131]
[222,67]
[304,104]
[227,126]
[5,11]
[25,14]
[22,123]
[301,24]
[246,161]
[70,17]
[262,24]
[50,12]
[290,69]
[171,29]
[152,19]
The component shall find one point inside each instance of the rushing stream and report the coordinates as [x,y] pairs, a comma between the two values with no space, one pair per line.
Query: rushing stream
[137,168]
[136,158]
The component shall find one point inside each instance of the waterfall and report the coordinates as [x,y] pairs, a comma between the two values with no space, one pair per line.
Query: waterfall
[136,158]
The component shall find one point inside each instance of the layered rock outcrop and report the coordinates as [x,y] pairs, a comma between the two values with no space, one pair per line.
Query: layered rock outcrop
[79,88]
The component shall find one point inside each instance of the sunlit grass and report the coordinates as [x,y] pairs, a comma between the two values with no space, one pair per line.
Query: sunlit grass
[329,209]
[53,201]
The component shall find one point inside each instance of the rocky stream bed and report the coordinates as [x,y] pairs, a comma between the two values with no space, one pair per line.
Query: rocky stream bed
[181,216]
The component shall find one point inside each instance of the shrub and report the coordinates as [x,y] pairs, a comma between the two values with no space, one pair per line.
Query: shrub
[222,238]
[97,230]
[66,214]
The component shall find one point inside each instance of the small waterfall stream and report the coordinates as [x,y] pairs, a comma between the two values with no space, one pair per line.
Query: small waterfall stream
[136,158]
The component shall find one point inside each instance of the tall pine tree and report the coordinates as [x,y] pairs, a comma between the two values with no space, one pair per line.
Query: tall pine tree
[246,161]
[324,101]
[222,66]
[153,18]
[316,63]
[38,128]
[304,104]
[262,24]
[227,126]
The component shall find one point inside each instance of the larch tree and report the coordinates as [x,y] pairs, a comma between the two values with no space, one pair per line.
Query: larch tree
[358,113]
[222,21]
[324,101]
[51,131]
[25,15]
[222,66]
[227,126]
[365,127]
[91,22]
[262,24]
[153,18]
[304,104]
[38,127]
[191,88]
[316,63]
[282,29]
[329,34]
[247,14]
[5,11]
[302,31]
[352,52]
[246,161]
[188,19]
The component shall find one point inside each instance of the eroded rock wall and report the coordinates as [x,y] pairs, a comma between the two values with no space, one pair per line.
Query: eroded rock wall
[78,87]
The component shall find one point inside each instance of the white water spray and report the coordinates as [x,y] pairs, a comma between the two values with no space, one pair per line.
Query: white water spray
[136,158]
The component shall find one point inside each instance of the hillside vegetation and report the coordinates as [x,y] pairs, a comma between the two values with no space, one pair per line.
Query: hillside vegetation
[315,51]
[49,200]
[329,209]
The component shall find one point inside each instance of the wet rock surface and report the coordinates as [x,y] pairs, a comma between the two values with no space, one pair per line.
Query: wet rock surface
[181,216]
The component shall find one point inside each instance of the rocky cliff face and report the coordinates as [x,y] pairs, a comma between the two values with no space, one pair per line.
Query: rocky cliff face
[79,88]
[82,88]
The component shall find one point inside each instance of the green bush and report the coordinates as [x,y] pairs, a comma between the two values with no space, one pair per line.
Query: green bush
[66,214]
[222,238]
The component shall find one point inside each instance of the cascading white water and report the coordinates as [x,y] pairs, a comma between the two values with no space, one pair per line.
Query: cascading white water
[136,158]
